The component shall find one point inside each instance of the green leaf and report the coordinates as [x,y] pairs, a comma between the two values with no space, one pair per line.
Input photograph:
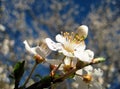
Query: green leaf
[46,81]
[19,70]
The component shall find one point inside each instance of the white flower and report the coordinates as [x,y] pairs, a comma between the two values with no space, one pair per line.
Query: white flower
[68,43]
[39,54]
[72,44]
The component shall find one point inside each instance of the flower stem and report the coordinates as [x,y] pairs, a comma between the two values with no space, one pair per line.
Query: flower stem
[62,77]
[59,64]
[30,74]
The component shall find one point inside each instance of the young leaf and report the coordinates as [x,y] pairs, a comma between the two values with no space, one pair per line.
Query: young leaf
[19,70]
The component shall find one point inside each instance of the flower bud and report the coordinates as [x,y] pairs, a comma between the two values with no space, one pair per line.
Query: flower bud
[98,60]
[82,31]
[87,78]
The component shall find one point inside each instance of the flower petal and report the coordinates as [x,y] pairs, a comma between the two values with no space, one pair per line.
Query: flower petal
[52,45]
[80,47]
[69,54]
[60,38]
[85,56]
[29,49]
[97,73]
[67,61]
[90,54]
[80,72]
[88,69]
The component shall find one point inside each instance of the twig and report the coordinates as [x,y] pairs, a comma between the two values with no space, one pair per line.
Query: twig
[30,74]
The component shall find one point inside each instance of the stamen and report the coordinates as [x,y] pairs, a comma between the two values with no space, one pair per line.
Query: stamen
[71,40]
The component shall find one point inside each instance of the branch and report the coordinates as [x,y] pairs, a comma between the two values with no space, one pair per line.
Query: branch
[47,81]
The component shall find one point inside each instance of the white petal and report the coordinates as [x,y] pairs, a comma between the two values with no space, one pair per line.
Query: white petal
[88,69]
[52,45]
[80,47]
[60,38]
[74,61]
[85,56]
[80,55]
[90,54]
[97,72]
[67,61]
[66,53]
[80,72]
[29,49]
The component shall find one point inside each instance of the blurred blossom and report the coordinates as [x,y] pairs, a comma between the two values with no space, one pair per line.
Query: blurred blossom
[3,74]
[89,76]
[5,47]
[1,69]
[4,79]
[2,28]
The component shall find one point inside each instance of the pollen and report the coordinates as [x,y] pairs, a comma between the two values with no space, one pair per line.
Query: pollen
[72,39]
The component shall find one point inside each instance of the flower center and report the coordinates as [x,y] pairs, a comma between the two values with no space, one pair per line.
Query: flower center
[69,47]
[72,40]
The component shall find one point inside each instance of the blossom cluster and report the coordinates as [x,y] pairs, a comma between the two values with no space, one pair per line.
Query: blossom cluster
[76,56]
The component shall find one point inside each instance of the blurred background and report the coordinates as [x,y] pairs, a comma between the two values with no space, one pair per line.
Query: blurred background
[34,20]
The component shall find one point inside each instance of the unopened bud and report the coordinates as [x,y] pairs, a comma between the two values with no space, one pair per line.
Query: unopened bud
[52,67]
[98,60]
[87,78]
[82,31]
